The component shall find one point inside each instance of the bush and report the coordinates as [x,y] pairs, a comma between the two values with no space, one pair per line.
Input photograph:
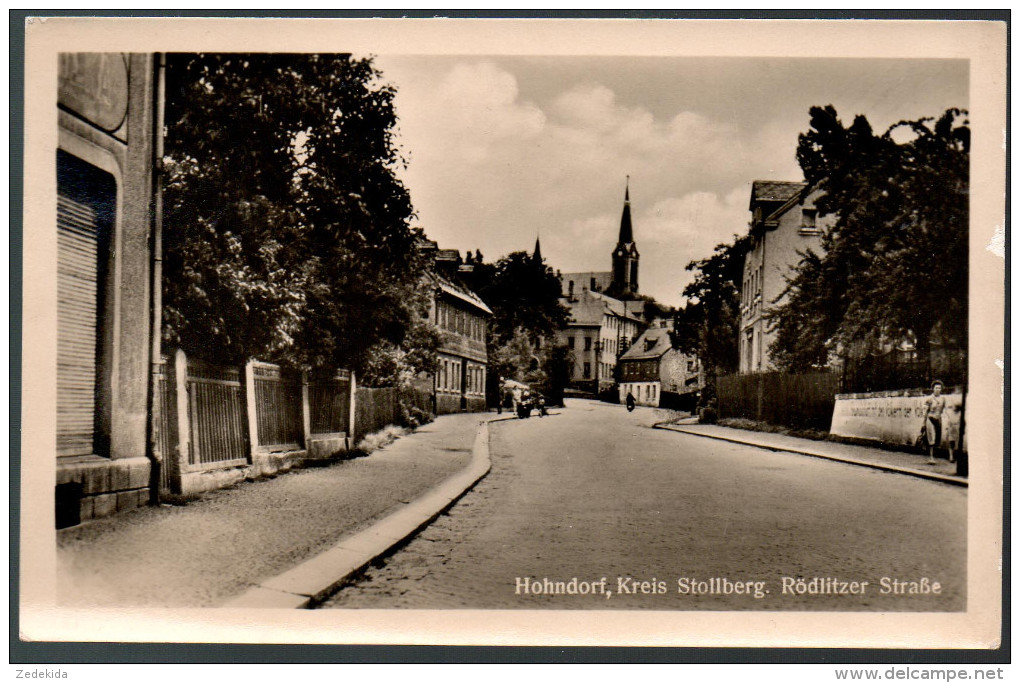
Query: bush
[412,417]
[708,415]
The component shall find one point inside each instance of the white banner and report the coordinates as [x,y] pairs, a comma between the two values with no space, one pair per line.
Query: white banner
[891,416]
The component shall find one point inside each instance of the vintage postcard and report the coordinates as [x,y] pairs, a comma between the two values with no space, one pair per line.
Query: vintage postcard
[513,332]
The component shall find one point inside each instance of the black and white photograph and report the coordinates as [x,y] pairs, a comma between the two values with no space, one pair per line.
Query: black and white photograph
[514,332]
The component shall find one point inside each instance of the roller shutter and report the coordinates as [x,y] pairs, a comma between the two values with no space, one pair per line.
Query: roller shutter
[84,213]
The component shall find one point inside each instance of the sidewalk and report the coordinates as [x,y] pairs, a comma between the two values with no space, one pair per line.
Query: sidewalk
[228,542]
[889,461]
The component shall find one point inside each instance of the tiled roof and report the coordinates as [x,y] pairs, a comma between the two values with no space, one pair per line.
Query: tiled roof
[589,308]
[659,336]
[774,190]
[458,292]
[447,255]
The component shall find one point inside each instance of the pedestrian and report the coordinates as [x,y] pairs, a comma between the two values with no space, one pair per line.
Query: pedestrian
[631,402]
[934,406]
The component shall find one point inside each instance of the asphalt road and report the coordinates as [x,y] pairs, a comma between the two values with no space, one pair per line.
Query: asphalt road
[675,522]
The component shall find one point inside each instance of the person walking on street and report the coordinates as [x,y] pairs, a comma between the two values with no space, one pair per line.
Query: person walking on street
[631,402]
[934,406]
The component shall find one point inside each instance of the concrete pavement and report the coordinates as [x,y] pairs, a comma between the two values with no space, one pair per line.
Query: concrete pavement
[279,542]
[876,458]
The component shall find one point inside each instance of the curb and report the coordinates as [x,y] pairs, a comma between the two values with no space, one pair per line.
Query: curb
[921,474]
[314,580]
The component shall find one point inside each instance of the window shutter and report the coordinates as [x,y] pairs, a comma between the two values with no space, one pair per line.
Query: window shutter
[77,300]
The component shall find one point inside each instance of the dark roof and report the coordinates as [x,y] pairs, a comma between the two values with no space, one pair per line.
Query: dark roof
[448,255]
[660,344]
[774,191]
[626,230]
[459,292]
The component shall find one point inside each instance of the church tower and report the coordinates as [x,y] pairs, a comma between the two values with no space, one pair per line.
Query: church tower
[625,255]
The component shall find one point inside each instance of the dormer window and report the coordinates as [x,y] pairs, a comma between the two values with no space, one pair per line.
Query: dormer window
[808,218]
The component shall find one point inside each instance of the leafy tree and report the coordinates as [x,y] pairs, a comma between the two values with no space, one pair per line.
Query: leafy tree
[286,230]
[524,294]
[709,324]
[894,264]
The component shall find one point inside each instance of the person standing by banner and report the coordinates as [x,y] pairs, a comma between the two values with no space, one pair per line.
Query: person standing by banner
[934,407]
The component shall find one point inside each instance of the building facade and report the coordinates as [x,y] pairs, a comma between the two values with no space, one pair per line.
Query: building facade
[652,367]
[104,222]
[598,332]
[784,222]
[459,382]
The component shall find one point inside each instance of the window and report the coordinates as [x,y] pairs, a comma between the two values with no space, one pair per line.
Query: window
[587,370]
[570,343]
[808,217]
[587,346]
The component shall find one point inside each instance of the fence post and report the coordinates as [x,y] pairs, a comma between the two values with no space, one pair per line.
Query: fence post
[180,380]
[250,409]
[306,412]
[351,413]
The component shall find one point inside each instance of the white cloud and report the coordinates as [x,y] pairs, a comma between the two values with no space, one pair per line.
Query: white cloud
[491,171]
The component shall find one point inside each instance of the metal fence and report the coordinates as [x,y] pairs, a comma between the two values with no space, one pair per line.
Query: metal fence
[802,401]
[277,407]
[216,411]
[329,401]
[166,426]
[903,370]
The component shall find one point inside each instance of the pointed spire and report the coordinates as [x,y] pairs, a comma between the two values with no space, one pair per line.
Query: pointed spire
[626,231]
[537,256]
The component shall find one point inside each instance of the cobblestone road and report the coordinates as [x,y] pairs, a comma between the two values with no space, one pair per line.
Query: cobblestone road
[593,492]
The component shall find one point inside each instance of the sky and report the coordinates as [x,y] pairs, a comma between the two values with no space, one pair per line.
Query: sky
[502,150]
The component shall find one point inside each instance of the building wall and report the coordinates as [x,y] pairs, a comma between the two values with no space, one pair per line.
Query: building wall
[645,393]
[766,266]
[459,382]
[580,351]
[614,335]
[106,121]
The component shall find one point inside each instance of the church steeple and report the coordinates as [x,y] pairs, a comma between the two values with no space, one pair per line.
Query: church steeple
[537,256]
[626,231]
[625,255]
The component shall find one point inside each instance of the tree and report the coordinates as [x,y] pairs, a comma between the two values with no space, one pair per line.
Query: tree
[229,211]
[286,229]
[709,324]
[524,294]
[894,264]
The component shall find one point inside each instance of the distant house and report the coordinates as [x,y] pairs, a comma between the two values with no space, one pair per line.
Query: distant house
[599,330]
[784,222]
[652,367]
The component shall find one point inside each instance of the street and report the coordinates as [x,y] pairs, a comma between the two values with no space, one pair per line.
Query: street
[677,522]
